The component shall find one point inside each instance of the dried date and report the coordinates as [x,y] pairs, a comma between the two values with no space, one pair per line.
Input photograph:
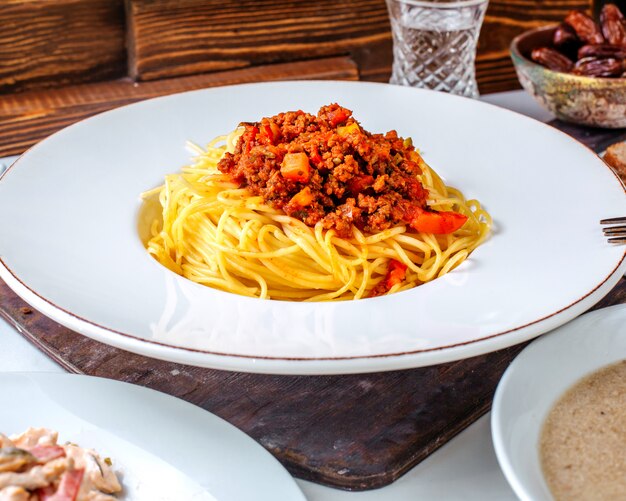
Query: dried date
[602,51]
[585,27]
[584,47]
[565,37]
[593,67]
[612,24]
[551,59]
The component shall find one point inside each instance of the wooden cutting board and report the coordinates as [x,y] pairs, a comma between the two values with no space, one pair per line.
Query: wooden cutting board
[354,432]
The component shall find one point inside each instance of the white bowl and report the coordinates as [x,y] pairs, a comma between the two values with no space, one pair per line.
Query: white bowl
[534,382]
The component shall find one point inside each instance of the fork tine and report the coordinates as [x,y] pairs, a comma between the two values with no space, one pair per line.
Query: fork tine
[613,220]
[616,234]
[617,240]
[615,230]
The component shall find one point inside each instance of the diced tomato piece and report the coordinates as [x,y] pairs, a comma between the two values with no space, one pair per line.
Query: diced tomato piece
[295,167]
[248,137]
[303,198]
[45,453]
[250,132]
[266,132]
[270,131]
[68,487]
[439,223]
[316,158]
[358,183]
[396,273]
[338,116]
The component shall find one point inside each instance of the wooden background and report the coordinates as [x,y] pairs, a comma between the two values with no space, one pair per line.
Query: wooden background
[63,60]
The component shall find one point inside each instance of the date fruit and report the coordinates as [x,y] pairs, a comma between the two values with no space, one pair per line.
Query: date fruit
[583,47]
[551,59]
[565,37]
[612,24]
[585,27]
[602,51]
[593,67]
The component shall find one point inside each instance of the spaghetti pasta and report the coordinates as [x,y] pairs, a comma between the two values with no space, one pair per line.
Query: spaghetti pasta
[221,235]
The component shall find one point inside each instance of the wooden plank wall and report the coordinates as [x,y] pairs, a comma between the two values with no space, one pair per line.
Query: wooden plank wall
[50,44]
[181,37]
[96,52]
[47,43]
[178,37]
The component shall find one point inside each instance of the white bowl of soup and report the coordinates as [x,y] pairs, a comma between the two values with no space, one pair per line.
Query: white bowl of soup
[559,413]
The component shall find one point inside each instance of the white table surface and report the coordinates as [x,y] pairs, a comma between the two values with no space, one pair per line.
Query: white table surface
[464,469]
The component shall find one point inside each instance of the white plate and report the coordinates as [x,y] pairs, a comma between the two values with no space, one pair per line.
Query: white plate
[534,382]
[165,449]
[69,242]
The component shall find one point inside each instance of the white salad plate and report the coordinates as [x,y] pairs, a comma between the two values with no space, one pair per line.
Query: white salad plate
[162,448]
[70,245]
[534,382]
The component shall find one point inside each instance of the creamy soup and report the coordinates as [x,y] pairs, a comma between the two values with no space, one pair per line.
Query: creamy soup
[583,441]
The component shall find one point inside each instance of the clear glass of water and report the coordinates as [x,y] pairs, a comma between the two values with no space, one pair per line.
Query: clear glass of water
[434,43]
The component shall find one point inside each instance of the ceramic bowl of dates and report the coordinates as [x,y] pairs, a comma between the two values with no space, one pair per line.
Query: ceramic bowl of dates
[577,69]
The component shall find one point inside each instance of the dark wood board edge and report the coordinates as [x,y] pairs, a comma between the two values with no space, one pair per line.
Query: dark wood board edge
[616,296]
[596,139]
[331,479]
[14,321]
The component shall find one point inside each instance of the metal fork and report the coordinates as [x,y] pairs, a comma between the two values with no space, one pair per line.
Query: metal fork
[615,229]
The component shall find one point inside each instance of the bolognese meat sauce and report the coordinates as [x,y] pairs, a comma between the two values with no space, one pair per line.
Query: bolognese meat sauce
[328,168]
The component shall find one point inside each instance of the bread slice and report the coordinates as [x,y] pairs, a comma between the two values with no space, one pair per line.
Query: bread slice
[615,156]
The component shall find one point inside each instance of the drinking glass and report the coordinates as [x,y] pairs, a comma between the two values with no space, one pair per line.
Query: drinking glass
[434,43]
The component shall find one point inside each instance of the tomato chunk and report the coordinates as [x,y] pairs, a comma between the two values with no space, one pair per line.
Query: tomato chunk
[396,273]
[270,131]
[295,167]
[302,199]
[338,116]
[248,137]
[316,158]
[439,223]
